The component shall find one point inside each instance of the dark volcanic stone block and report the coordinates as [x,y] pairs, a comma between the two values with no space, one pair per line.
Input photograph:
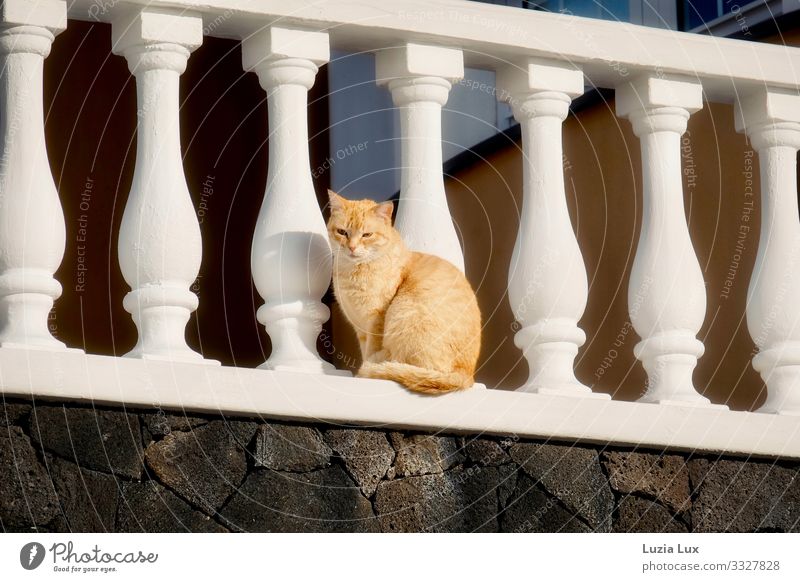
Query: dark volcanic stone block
[102,440]
[291,448]
[12,413]
[485,451]
[423,454]
[320,501]
[531,510]
[461,500]
[645,516]
[204,466]
[149,507]
[367,455]
[572,474]
[27,498]
[162,424]
[88,499]
[508,475]
[739,496]
[665,477]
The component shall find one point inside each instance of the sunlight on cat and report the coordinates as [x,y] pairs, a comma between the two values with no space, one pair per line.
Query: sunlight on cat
[415,315]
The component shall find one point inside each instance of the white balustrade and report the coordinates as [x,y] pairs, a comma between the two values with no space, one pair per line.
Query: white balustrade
[291,256]
[667,294]
[159,240]
[547,284]
[32,230]
[771,120]
[160,243]
[419,78]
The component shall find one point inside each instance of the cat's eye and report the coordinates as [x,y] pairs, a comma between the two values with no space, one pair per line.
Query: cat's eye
[366,235]
[341,232]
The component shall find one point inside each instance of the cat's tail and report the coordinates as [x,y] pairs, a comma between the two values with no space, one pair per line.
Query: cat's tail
[417,379]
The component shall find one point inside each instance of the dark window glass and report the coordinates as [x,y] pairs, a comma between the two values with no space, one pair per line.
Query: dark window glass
[606,9]
[699,12]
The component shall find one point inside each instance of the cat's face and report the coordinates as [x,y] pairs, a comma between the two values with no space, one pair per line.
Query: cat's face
[359,230]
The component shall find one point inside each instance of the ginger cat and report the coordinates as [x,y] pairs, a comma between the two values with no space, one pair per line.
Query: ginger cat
[415,315]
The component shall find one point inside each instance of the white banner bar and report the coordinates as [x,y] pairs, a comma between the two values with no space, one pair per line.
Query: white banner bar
[400,557]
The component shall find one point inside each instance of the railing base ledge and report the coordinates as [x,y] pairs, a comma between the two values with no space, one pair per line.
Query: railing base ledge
[159,385]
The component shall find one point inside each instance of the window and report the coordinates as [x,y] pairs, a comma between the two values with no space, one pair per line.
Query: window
[697,13]
[606,9]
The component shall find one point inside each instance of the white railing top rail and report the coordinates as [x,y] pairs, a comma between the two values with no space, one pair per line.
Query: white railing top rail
[607,52]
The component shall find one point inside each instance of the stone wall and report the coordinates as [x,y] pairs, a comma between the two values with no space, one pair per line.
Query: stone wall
[82,468]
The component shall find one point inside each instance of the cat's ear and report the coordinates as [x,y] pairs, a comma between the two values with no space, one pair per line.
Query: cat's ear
[337,202]
[384,210]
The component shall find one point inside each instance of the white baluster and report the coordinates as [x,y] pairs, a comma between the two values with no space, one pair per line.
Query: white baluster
[667,294]
[419,78]
[159,240]
[32,231]
[771,120]
[291,255]
[547,284]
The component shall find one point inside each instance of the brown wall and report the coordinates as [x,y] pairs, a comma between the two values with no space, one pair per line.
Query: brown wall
[602,169]
[90,109]
[603,176]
